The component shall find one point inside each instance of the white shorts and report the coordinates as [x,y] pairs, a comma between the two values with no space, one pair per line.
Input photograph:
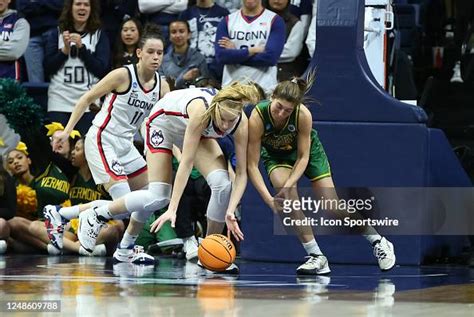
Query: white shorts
[111,157]
[160,137]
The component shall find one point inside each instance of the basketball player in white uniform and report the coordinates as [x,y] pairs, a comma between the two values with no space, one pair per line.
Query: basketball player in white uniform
[132,91]
[190,119]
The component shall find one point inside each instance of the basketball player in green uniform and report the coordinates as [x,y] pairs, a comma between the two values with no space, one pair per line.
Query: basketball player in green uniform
[281,133]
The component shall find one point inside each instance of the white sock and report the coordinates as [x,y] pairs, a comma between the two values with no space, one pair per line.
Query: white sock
[312,247]
[127,240]
[372,237]
[70,212]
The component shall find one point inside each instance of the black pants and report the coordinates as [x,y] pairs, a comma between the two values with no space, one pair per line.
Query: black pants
[192,207]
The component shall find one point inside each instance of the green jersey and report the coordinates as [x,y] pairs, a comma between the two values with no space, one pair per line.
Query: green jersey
[52,188]
[83,191]
[280,146]
[278,141]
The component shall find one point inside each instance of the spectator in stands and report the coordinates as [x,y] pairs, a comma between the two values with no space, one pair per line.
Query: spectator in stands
[7,206]
[182,64]
[15,32]
[249,43]
[51,184]
[77,55]
[293,60]
[47,183]
[311,37]
[231,5]
[127,43]
[43,17]
[113,13]
[162,13]
[303,10]
[203,19]
[464,20]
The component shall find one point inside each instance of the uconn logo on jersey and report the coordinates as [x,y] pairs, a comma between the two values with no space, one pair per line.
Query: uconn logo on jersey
[248,36]
[156,138]
[134,101]
[7,33]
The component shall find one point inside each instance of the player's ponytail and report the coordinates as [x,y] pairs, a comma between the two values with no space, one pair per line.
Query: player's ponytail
[295,89]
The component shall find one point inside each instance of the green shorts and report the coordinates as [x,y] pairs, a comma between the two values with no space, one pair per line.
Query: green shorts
[318,164]
[147,238]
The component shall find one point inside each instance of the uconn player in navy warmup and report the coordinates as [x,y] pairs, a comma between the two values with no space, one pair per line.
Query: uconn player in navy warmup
[131,91]
[249,43]
[190,119]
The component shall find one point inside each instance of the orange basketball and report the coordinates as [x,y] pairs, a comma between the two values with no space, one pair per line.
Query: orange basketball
[216,252]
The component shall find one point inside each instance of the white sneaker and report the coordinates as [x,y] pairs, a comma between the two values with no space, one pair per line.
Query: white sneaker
[99,250]
[384,252]
[3,246]
[89,228]
[457,73]
[54,224]
[52,250]
[315,265]
[133,254]
[190,247]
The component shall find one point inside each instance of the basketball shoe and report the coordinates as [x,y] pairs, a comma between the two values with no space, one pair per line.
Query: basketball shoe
[89,228]
[383,251]
[133,254]
[315,265]
[53,250]
[54,224]
[99,250]
[190,247]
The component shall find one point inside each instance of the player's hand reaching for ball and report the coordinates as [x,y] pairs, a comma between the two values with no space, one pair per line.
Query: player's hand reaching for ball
[233,226]
[169,215]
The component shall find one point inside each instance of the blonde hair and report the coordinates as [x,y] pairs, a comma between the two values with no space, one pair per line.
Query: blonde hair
[295,89]
[231,99]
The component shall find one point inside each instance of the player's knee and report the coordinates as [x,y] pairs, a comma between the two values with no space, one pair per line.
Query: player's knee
[221,188]
[157,196]
[220,185]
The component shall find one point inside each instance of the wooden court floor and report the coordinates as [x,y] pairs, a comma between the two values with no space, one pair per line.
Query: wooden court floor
[83,286]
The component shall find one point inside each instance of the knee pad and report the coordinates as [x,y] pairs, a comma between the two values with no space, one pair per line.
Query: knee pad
[145,202]
[118,190]
[221,187]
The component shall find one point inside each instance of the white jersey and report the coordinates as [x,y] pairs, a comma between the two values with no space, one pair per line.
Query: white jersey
[123,113]
[249,34]
[73,79]
[171,114]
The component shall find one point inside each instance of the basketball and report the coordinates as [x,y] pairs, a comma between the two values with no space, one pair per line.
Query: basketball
[216,252]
